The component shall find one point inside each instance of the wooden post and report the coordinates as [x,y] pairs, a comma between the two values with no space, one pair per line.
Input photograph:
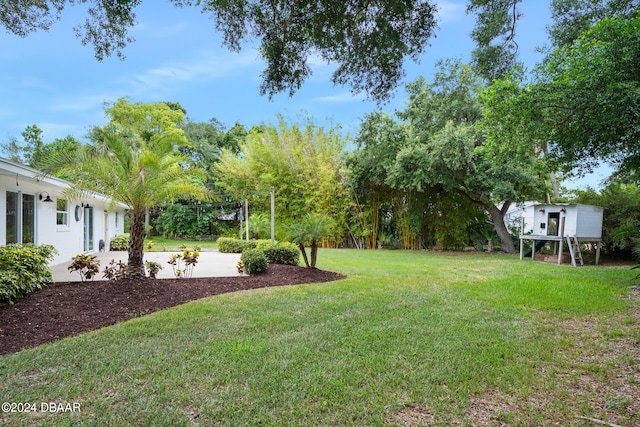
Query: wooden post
[521,241]
[533,250]
[561,240]
[246,217]
[273,216]
[521,248]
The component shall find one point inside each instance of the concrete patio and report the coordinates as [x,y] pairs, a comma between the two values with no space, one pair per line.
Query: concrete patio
[210,264]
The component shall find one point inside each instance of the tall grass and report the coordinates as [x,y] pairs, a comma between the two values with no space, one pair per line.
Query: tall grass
[408,337]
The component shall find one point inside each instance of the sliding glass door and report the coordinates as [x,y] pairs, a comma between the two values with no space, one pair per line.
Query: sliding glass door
[88,228]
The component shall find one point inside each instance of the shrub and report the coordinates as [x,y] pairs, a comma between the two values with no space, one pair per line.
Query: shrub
[254,261]
[115,270]
[24,268]
[153,268]
[182,220]
[234,246]
[85,264]
[282,253]
[190,259]
[119,243]
[240,267]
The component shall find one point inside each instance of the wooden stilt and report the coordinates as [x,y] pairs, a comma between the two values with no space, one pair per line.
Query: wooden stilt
[521,248]
[561,242]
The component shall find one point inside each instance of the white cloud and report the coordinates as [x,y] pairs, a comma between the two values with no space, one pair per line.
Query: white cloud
[80,103]
[208,67]
[343,97]
[52,130]
[450,11]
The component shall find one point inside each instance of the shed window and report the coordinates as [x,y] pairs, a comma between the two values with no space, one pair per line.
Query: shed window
[62,212]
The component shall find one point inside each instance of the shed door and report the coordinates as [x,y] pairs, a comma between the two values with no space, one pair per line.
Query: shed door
[554,223]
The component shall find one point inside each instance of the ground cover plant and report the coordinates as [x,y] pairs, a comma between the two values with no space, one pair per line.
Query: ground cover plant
[408,338]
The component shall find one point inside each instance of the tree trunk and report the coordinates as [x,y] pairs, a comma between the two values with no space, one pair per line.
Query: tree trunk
[304,254]
[497,216]
[135,265]
[506,242]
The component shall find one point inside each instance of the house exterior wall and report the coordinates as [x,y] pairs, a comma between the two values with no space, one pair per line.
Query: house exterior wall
[68,238]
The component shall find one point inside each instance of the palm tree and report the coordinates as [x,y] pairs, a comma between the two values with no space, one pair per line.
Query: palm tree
[311,230]
[138,173]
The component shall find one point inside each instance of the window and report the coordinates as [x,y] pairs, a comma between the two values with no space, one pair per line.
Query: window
[62,214]
[20,217]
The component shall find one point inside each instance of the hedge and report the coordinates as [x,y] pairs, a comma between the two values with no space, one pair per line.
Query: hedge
[236,246]
[119,243]
[24,268]
[254,261]
[282,253]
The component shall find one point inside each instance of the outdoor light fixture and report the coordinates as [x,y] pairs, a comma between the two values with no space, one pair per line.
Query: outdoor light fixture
[563,210]
[542,210]
[47,199]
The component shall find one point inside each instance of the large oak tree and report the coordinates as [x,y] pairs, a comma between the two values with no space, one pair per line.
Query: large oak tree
[368,40]
[584,102]
[450,147]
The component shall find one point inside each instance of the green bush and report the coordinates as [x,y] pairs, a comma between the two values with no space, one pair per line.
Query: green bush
[182,220]
[282,253]
[115,270]
[234,246]
[120,243]
[87,265]
[254,261]
[24,268]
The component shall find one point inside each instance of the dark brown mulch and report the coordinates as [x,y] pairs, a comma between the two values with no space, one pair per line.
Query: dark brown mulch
[70,308]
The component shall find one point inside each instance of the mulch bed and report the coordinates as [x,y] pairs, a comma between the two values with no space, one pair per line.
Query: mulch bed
[71,308]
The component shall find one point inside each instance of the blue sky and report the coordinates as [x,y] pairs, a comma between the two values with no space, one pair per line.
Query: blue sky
[51,80]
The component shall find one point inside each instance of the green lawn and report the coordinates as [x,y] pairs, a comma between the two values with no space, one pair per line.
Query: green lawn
[161,244]
[409,338]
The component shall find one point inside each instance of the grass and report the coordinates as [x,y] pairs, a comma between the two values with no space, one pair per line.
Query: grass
[162,244]
[409,338]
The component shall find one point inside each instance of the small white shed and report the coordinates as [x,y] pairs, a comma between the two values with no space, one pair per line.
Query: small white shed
[559,222]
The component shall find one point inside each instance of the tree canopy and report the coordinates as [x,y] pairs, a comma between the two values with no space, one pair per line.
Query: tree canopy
[496,51]
[571,18]
[584,101]
[367,40]
[301,162]
[446,146]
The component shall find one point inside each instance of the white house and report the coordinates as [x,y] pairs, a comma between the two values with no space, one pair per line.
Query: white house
[35,211]
[559,222]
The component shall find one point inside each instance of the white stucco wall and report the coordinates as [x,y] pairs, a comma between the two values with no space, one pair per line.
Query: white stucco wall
[69,239]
